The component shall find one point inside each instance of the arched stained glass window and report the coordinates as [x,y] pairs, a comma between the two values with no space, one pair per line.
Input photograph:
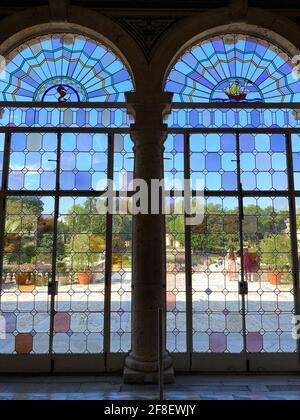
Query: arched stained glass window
[234,68]
[64,68]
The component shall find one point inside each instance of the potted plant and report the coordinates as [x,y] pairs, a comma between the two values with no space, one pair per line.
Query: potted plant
[83,258]
[81,265]
[62,274]
[85,278]
[276,256]
[26,275]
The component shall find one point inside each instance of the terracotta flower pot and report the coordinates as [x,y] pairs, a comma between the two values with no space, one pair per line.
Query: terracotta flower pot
[85,278]
[23,279]
[40,281]
[274,279]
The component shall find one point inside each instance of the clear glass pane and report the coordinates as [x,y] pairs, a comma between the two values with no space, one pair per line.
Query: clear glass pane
[176,277]
[27,269]
[81,247]
[216,271]
[268,266]
[121,281]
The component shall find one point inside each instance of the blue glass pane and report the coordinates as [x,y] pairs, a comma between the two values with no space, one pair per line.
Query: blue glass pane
[82,167]
[123,162]
[197,162]
[235,118]
[213,160]
[228,143]
[247,143]
[233,68]
[174,162]
[264,162]
[229,181]
[278,143]
[296,159]
[33,161]
[64,68]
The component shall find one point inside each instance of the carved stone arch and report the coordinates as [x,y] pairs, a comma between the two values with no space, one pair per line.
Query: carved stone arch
[23,26]
[278,30]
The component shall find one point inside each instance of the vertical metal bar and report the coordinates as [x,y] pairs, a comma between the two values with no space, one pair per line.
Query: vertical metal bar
[53,285]
[132,254]
[4,186]
[161,353]
[293,226]
[241,229]
[108,254]
[188,261]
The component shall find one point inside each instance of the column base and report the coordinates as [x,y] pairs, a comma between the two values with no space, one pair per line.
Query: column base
[140,371]
[135,377]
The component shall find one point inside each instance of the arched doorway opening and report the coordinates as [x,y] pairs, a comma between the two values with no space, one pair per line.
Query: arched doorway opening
[233,280]
[65,262]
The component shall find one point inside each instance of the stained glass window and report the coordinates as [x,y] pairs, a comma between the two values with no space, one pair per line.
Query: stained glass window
[64,68]
[234,68]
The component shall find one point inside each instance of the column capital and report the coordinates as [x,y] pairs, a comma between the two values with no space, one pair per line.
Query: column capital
[59,9]
[149,109]
[149,136]
[239,10]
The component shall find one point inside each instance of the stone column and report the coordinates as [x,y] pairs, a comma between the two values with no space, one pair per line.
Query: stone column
[149,266]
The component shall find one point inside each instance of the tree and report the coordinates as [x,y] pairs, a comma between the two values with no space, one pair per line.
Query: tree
[84,233]
[259,222]
[22,214]
[84,218]
[21,229]
[275,251]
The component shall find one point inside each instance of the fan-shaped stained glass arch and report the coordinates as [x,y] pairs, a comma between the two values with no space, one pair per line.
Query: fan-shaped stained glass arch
[234,68]
[64,68]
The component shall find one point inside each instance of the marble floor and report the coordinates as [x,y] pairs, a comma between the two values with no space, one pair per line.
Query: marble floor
[192,387]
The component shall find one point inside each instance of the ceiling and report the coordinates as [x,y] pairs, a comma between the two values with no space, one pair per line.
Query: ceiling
[148,20]
[156,4]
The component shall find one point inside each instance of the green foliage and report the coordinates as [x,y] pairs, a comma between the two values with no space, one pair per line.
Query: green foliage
[29,208]
[275,252]
[122,233]
[264,232]
[21,227]
[85,219]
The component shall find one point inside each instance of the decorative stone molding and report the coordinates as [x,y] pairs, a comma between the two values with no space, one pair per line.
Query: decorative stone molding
[147,30]
[149,109]
[33,22]
[188,32]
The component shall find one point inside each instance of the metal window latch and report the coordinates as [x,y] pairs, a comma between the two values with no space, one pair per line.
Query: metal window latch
[243,288]
[53,288]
